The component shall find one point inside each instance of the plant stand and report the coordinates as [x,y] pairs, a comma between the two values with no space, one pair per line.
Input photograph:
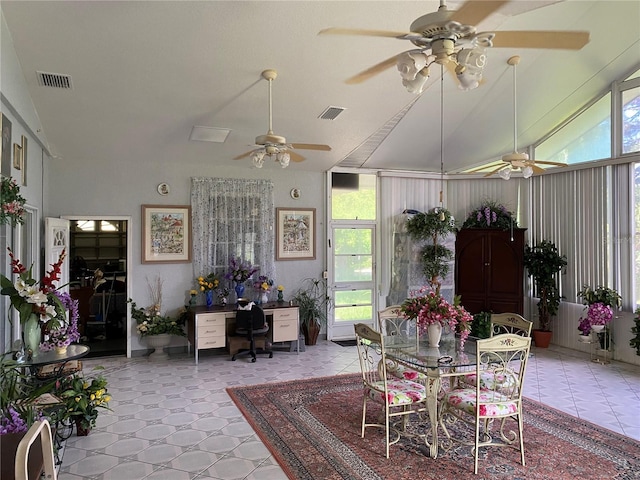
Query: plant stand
[599,354]
[158,342]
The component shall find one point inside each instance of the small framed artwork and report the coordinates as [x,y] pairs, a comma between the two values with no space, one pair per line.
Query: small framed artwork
[23,160]
[166,233]
[295,234]
[5,166]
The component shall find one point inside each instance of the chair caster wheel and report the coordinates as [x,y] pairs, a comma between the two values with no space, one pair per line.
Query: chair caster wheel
[271,355]
[253,360]
[233,359]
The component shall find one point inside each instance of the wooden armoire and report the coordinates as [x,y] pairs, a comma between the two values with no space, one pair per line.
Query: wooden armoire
[489,269]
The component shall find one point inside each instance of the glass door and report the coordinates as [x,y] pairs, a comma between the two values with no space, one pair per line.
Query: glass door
[353,286]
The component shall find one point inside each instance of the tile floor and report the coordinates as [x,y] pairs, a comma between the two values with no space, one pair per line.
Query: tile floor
[173,420]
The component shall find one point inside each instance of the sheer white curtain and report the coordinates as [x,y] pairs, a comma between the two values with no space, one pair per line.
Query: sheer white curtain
[232,217]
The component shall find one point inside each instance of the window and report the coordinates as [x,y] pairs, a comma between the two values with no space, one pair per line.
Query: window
[636,233]
[631,120]
[585,138]
[353,196]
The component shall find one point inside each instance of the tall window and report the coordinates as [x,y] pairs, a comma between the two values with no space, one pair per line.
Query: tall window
[232,218]
[636,233]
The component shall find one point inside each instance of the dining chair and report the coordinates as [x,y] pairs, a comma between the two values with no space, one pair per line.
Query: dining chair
[505,356]
[398,397]
[510,323]
[391,322]
[24,469]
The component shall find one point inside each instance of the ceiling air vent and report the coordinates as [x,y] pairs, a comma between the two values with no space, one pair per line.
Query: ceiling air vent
[331,113]
[55,80]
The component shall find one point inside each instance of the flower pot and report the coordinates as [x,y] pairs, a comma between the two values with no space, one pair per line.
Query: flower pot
[542,338]
[158,342]
[434,333]
[264,298]
[31,334]
[311,333]
[584,338]
[239,288]
[208,295]
[61,350]
[81,430]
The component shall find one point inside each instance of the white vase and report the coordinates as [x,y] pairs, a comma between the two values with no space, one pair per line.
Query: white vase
[158,342]
[434,332]
[264,298]
[597,328]
[584,338]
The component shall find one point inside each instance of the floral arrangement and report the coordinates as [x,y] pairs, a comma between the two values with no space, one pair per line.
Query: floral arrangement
[263,283]
[68,332]
[83,397]
[428,307]
[597,314]
[12,209]
[17,395]
[635,341]
[208,283]
[490,215]
[29,296]
[150,322]
[239,270]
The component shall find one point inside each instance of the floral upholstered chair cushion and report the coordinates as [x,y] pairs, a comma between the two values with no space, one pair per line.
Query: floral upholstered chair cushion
[399,392]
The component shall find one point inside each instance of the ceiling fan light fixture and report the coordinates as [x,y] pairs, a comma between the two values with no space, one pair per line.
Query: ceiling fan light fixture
[527,172]
[505,173]
[257,158]
[417,85]
[284,158]
[471,63]
[410,64]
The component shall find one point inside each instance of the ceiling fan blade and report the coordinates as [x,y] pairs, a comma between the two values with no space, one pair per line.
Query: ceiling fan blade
[557,164]
[373,71]
[472,13]
[494,171]
[540,39]
[364,32]
[311,146]
[244,155]
[484,167]
[537,169]
[295,157]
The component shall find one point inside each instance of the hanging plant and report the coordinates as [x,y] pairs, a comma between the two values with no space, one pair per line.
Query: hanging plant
[12,208]
[432,227]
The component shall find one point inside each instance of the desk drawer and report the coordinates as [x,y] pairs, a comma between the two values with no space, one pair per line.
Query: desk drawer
[210,330]
[211,342]
[211,319]
[285,314]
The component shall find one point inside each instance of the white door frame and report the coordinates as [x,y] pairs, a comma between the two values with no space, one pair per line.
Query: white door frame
[127,218]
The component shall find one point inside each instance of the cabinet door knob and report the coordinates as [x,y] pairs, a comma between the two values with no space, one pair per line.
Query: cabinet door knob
[487,264]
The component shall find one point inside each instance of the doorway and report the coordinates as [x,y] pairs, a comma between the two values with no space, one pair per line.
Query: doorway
[99,273]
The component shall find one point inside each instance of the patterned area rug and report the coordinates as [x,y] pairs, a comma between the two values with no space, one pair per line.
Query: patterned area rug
[312,428]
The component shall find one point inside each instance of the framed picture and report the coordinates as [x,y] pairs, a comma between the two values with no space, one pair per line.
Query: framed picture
[295,234]
[23,160]
[166,233]
[5,166]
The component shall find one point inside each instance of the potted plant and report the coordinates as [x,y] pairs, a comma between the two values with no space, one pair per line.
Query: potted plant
[543,262]
[600,304]
[83,396]
[313,303]
[432,227]
[635,341]
[156,328]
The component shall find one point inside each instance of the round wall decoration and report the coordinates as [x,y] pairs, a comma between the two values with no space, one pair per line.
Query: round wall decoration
[295,193]
[163,189]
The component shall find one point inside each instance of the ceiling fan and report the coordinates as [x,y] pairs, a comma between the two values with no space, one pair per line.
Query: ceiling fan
[517,161]
[449,38]
[273,145]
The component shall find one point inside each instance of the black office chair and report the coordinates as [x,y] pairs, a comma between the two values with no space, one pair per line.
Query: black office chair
[251,324]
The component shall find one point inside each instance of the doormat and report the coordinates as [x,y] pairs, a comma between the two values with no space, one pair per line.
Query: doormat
[345,343]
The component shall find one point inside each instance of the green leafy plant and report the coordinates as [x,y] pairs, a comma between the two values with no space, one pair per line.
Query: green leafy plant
[313,302]
[150,322]
[544,262]
[481,325]
[635,341]
[83,397]
[431,227]
[605,295]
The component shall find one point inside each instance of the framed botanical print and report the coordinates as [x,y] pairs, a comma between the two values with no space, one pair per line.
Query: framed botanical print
[295,234]
[166,233]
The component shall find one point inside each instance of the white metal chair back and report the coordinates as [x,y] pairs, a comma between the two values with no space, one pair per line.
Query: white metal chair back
[392,322]
[502,361]
[510,323]
[40,429]
[398,397]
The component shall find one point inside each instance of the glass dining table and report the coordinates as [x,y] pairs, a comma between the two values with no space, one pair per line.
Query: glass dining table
[446,361]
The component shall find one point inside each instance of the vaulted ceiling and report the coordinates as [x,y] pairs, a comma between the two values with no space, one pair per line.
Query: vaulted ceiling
[144,73]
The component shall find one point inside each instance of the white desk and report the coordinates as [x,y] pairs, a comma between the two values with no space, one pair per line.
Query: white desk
[208,327]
